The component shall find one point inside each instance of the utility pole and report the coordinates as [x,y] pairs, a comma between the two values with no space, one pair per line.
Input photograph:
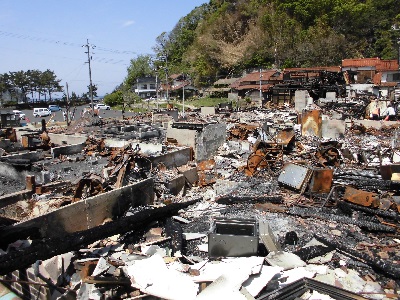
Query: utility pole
[183,91]
[90,74]
[67,108]
[157,89]
[166,76]
[260,86]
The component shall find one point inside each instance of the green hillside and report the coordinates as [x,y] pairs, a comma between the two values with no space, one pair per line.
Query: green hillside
[223,38]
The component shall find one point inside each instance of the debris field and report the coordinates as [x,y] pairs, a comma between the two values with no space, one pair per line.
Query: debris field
[261,203]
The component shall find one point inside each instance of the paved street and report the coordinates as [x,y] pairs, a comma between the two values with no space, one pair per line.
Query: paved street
[58,116]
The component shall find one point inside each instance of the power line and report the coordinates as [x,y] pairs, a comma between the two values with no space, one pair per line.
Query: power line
[60,43]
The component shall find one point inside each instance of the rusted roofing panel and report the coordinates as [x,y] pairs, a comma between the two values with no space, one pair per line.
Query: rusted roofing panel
[360,62]
[331,69]
[380,65]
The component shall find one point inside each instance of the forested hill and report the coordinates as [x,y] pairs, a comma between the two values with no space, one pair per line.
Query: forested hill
[226,37]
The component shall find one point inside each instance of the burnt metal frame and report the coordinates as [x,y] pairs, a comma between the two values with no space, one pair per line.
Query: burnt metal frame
[299,287]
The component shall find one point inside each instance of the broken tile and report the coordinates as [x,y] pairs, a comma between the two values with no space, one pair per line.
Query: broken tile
[285,260]
[152,276]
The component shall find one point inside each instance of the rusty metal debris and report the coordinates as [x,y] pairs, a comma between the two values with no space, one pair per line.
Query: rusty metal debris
[361,197]
[241,131]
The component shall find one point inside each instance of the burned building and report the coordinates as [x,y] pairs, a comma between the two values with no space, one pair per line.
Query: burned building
[246,204]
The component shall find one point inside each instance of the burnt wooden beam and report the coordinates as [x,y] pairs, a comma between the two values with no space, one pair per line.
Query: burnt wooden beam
[46,248]
[232,199]
[385,267]
[311,212]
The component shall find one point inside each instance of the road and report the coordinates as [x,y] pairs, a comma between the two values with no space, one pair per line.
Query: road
[58,116]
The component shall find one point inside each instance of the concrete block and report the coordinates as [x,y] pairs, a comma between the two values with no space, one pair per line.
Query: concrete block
[184,137]
[330,96]
[33,156]
[176,185]
[190,173]
[67,150]
[62,139]
[175,158]
[209,140]
[45,177]
[333,128]
[207,110]
[300,100]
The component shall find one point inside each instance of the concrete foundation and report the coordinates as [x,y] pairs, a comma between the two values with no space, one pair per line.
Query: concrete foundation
[33,156]
[207,110]
[300,100]
[147,149]
[173,159]
[205,142]
[93,211]
[66,139]
[209,140]
[67,150]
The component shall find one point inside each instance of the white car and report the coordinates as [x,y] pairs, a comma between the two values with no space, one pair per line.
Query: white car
[20,114]
[101,106]
[41,112]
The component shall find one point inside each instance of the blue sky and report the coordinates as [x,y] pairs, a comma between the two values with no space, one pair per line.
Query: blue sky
[49,34]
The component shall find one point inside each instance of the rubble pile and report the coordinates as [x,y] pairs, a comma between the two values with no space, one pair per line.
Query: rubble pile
[287,205]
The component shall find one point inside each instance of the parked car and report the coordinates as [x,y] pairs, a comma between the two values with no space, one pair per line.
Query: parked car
[20,114]
[41,112]
[54,108]
[101,106]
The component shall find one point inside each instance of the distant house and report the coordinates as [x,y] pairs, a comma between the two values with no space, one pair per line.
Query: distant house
[372,76]
[180,83]
[146,87]
[256,85]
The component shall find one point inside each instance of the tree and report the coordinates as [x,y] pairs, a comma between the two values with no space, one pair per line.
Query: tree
[50,83]
[34,82]
[5,86]
[94,90]
[20,80]
[139,67]
[122,96]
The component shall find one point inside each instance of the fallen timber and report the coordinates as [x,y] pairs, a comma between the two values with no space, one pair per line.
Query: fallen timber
[310,212]
[46,248]
[384,267]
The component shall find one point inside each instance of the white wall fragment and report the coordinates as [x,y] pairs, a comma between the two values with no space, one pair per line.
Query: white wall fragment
[152,276]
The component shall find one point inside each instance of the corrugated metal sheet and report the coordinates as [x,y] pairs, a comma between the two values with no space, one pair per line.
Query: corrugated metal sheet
[360,62]
[331,69]
[380,65]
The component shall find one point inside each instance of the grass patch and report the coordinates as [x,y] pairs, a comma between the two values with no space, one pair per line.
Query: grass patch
[206,101]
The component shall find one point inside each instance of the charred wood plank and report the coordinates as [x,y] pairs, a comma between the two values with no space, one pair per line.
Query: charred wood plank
[231,199]
[384,267]
[319,213]
[46,248]
[379,212]
[174,231]
[311,252]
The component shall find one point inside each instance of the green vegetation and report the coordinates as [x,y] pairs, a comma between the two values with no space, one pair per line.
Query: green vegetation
[199,102]
[30,82]
[225,37]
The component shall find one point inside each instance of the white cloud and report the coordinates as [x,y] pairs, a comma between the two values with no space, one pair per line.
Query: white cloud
[128,23]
